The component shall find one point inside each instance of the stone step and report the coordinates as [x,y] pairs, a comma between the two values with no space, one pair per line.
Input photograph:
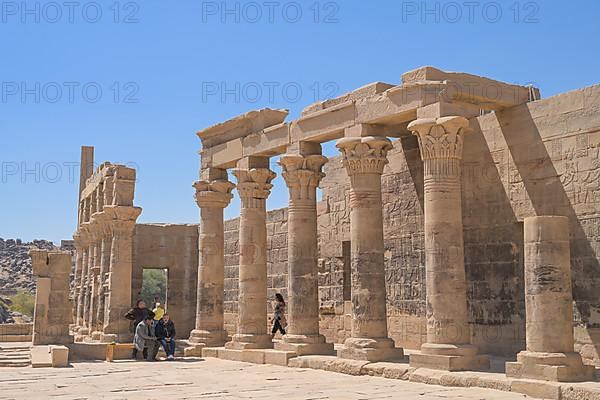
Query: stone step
[13,356]
[12,364]
[8,349]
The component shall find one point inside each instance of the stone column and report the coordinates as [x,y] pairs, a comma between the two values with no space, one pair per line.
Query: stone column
[212,196]
[364,160]
[302,174]
[104,259]
[81,283]
[89,283]
[448,331]
[94,273]
[122,225]
[254,185]
[52,313]
[550,351]
[85,280]
[77,275]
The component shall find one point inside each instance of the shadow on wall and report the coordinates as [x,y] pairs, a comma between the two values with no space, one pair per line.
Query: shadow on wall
[545,188]
[493,246]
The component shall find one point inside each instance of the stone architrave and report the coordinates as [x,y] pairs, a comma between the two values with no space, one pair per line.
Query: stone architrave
[448,331]
[364,160]
[122,225]
[550,351]
[52,312]
[254,185]
[212,196]
[302,174]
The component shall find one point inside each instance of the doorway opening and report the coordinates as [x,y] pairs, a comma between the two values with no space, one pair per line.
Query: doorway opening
[155,287]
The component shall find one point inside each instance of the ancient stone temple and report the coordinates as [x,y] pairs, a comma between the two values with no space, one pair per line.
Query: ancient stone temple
[420,237]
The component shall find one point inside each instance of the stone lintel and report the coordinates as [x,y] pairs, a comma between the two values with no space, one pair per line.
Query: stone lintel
[266,143]
[324,125]
[241,126]
[269,142]
[485,92]
[364,91]
[446,109]
[253,162]
[425,92]
[364,130]
[304,148]
[213,174]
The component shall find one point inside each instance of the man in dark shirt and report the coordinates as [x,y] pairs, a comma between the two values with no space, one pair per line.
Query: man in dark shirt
[165,333]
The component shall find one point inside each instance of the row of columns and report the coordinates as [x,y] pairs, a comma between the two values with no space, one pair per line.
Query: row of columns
[364,149]
[104,256]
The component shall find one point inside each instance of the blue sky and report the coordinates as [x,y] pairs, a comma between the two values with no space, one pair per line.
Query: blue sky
[138,79]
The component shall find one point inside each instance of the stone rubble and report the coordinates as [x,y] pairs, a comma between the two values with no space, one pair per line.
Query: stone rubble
[15,264]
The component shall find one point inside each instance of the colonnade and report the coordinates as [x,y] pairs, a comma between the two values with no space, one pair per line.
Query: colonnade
[104,254]
[364,148]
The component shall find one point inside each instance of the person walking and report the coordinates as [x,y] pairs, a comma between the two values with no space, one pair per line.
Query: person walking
[144,339]
[165,332]
[279,321]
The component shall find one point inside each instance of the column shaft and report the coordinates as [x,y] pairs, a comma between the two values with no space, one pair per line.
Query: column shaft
[81,283]
[448,329]
[549,306]
[122,225]
[212,197]
[253,186]
[364,160]
[104,267]
[302,175]
[548,293]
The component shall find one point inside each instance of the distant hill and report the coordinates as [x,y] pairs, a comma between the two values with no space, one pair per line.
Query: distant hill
[15,264]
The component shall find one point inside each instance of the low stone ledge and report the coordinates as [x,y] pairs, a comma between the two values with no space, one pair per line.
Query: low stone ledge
[388,370]
[583,391]
[348,367]
[484,380]
[537,389]
[312,362]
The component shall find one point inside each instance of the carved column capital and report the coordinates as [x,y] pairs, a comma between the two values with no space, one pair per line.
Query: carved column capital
[302,174]
[441,145]
[122,219]
[215,193]
[364,155]
[254,185]
[440,137]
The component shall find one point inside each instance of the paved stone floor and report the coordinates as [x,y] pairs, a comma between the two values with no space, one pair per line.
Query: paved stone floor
[215,379]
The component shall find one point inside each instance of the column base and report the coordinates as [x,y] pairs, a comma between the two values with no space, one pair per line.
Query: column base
[194,350]
[305,345]
[208,338]
[248,342]
[368,349]
[96,335]
[450,357]
[558,367]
